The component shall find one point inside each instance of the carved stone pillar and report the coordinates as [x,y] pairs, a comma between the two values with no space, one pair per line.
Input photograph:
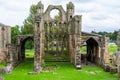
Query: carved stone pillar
[38,29]
[37,63]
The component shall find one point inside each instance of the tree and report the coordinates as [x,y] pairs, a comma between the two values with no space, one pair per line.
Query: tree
[27,27]
[112,36]
[58,16]
[15,32]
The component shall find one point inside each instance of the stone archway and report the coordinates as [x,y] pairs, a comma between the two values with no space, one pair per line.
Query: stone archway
[20,43]
[52,7]
[23,42]
[92,50]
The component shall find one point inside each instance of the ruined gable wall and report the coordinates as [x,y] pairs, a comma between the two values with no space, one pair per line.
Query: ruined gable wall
[5,38]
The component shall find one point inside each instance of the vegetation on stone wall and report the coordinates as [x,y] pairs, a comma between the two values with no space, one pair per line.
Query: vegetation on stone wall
[2,65]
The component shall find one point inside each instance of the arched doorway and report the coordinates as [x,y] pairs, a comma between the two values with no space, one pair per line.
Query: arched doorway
[92,50]
[27,48]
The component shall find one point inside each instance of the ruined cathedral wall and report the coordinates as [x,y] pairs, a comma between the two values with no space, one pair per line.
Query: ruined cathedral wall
[5,39]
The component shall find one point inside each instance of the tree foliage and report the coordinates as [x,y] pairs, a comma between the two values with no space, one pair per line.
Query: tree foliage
[14,32]
[26,28]
[28,23]
[111,35]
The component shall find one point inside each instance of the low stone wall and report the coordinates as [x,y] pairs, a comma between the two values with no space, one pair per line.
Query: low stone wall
[2,57]
[111,69]
[1,78]
[8,69]
[2,71]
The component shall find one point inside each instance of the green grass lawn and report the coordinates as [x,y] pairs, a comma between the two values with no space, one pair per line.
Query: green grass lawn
[59,71]
[29,53]
[84,49]
[2,65]
[112,49]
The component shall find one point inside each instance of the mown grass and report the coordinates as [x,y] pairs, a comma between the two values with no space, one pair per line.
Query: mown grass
[84,49]
[62,71]
[112,49]
[2,65]
[29,53]
[59,71]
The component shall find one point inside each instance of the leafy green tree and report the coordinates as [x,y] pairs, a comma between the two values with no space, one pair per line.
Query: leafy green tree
[114,36]
[29,44]
[58,16]
[14,33]
[27,27]
[111,35]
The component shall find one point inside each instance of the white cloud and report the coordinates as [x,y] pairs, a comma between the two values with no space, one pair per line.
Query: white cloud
[99,15]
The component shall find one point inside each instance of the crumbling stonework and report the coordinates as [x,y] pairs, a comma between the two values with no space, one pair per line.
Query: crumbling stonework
[97,51]
[118,54]
[1,78]
[97,48]
[5,38]
[64,33]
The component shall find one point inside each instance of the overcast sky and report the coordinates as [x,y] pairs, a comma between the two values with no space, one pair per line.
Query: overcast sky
[98,15]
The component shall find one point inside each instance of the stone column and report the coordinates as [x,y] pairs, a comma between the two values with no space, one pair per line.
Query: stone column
[38,43]
[37,63]
[77,40]
[105,51]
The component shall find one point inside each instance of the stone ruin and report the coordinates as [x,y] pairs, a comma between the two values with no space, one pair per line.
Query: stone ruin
[5,39]
[65,33]
[118,55]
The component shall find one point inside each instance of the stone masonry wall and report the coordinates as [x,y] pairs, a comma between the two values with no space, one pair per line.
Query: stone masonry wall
[5,38]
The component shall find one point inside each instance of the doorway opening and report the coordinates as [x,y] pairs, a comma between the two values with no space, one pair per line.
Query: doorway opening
[90,51]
